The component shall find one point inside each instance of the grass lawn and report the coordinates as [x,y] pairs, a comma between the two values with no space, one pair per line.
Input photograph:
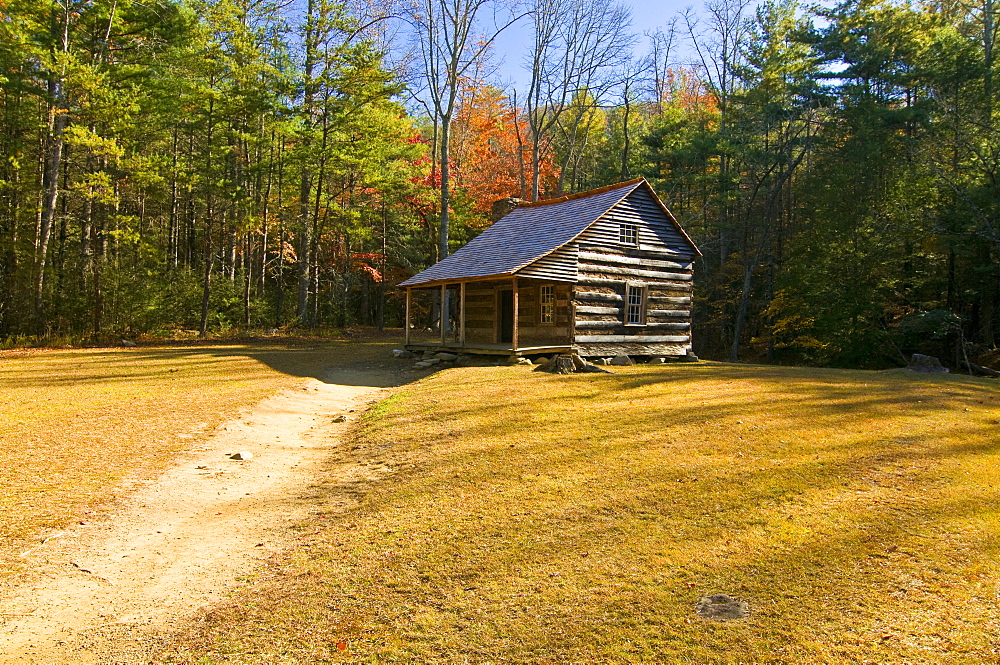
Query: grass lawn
[499,515]
[78,427]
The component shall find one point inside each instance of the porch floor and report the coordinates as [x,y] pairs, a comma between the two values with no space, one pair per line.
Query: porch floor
[487,349]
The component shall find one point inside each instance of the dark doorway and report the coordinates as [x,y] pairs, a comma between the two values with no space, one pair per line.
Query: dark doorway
[506,317]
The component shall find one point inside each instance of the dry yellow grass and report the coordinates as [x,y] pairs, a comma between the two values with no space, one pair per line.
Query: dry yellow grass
[78,427]
[498,515]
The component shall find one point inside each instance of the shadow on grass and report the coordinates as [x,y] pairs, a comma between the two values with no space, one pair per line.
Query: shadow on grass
[344,363]
[816,543]
[585,515]
[796,395]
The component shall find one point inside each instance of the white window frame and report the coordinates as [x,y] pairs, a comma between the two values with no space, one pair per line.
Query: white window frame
[547,303]
[628,233]
[634,308]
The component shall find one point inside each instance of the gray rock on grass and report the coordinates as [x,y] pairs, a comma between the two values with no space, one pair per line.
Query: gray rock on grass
[720,607]
[926,364]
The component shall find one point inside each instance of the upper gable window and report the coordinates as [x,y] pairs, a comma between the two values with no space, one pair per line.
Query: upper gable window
[628,233]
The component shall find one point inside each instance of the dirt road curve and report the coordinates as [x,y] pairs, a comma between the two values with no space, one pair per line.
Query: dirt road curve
[106,589]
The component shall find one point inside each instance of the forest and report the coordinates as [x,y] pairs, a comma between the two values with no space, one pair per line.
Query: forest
[241,165]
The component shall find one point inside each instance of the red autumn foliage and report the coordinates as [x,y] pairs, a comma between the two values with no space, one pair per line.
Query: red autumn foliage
[365,262]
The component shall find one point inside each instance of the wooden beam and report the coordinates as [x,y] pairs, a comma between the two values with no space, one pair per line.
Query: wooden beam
[631,260]
[513,335]
[659,253]
[635,272]
[461,325]
[669,325]
[598,324]
[594,296]
[672,300]
[641,339]
[406,331]
[590,309]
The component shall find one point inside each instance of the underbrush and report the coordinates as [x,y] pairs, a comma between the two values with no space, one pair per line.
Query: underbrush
[180,335]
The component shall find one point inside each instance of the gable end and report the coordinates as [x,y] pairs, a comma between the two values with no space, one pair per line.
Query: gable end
[657,230]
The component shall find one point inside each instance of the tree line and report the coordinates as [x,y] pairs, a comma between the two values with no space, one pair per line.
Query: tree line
[225,164]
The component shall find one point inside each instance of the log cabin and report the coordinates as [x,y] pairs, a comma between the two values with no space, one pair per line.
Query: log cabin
[600,273]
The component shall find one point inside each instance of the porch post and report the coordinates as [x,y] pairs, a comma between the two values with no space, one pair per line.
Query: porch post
[513,336]
[406,330]
[461,320]
[444,312]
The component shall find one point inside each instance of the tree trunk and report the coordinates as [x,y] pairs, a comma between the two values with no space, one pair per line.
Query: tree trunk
[279,307]
[206,280]
[305,186]
[54,141]
[58,120]
[247,278]
[445,187]
[626,137]
[173,234]
[445,201]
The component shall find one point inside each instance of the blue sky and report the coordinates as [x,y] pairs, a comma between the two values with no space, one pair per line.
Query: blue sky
[646,16]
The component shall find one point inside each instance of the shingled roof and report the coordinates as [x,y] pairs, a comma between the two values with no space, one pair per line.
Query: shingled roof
[526,234]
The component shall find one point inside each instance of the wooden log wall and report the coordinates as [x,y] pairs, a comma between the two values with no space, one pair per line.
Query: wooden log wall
[481,306]
[661,260]
[482,300]
[599,301]
[531,331]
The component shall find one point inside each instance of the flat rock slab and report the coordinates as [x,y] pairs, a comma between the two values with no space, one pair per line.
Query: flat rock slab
[721,607]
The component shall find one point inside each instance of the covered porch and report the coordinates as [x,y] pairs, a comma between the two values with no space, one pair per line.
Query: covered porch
[506,316]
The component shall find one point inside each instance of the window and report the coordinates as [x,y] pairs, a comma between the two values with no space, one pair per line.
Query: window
[546,303]
[635,305]
[628,234]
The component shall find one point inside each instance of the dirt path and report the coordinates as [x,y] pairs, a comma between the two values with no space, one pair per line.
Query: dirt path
[106,589]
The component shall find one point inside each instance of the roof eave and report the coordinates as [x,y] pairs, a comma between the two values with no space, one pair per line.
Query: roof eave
[455,280]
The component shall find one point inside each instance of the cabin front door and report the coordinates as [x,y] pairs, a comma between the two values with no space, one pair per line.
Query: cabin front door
[505,316]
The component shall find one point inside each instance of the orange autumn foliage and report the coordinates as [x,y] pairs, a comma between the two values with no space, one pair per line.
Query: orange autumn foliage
[686,90]
[488,160]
